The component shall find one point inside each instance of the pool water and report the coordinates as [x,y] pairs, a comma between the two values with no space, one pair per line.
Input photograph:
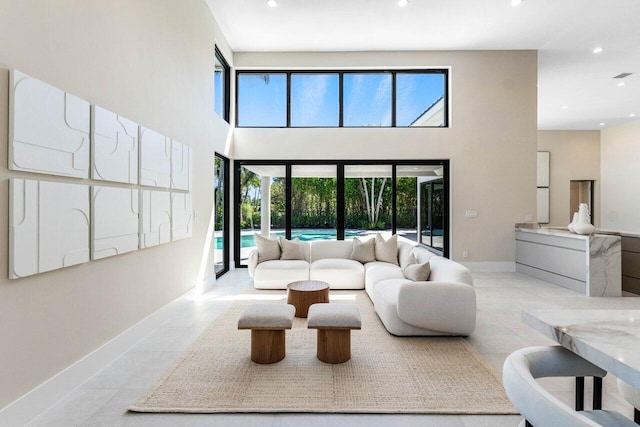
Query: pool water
[249,240]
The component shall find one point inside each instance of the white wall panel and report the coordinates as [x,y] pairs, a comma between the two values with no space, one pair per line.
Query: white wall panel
[114,221]
[155,213]
[114,143]
[181,215]
[49,224]
[48,128]
[180,166]
[155,159]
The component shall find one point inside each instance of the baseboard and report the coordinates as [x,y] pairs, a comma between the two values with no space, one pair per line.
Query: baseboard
[38,400]
[490,267]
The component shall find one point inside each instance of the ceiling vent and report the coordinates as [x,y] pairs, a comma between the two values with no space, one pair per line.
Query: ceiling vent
[622,75]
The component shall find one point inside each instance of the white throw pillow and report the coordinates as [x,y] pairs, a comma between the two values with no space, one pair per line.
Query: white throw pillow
[387,250]
[363,251]
[417,272]
[291,249]
[267,249]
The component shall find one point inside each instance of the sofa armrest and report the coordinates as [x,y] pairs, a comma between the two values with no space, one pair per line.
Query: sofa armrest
[253,261]
[438,306]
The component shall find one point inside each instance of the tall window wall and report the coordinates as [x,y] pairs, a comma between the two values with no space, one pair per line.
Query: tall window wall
[221,214]
[313,200]
[342,98]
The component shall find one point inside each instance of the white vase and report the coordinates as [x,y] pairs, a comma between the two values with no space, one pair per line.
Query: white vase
[584,226]
[573,222]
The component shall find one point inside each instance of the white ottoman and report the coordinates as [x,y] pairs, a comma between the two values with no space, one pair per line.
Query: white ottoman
[334,323]
[267,323]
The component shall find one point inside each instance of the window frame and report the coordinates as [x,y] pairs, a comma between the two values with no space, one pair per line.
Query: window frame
[341,73]
[226,86]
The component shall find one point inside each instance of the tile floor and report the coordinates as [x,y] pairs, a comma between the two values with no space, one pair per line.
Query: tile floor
[103,399]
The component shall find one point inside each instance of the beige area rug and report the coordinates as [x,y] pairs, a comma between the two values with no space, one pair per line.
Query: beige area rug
[386,374]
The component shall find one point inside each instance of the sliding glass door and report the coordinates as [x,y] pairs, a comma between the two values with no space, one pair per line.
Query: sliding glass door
[432,213]
[313,200]
[261,193]
[221,214]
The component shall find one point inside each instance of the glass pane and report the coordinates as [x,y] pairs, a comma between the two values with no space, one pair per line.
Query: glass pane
[437,210]
[420,99]
[367,199]
[262,204]
[218,88]
[262,99]
[409,181]
[367,99]
[314,100]
[219,185]
[313,202]
[431,211]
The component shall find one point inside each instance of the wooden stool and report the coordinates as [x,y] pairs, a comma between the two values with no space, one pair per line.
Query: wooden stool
[304,293]
[334,323]
[267,323]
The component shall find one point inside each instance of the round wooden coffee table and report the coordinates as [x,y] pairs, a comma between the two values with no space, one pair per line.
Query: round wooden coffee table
[304,293]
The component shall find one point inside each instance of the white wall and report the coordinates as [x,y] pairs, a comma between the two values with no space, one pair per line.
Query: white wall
[491,142]
[575,155]
[152,62]
[620,171]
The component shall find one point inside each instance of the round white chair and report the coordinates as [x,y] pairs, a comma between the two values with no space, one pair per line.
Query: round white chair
[539,407]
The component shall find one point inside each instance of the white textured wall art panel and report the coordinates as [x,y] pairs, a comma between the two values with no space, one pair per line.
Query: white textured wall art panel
[23,228]
[181,216]
[48,128]
[49,226]
[114,221]
[114,146]
[155,213]
[180,166]
[155,158]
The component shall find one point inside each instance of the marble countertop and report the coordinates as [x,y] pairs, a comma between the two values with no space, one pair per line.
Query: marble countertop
[563,232]
[559,232]
[609,339]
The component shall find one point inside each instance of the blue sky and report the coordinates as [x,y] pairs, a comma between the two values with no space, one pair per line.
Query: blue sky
[315,98]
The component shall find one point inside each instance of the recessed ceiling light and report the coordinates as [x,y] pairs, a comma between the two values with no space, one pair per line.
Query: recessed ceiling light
[621,84]
[515,2]
[598,50]
[632,115]
[601,123]
[564,107]
[272,3]
[403,3]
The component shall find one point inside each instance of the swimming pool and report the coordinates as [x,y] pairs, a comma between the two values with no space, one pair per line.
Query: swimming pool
[248,240]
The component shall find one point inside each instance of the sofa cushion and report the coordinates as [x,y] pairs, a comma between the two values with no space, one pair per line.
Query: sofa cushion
[363,251]
[321,249]
[267,249]
[422,254]
[291,249]
[378,271]
[445,270]
[338,273]
[277,274]
[386,250]
[404,250]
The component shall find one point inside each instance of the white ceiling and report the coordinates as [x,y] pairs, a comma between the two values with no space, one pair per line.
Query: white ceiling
[563,31]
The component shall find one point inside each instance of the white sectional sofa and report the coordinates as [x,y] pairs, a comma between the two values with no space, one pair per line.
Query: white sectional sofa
[445,304]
